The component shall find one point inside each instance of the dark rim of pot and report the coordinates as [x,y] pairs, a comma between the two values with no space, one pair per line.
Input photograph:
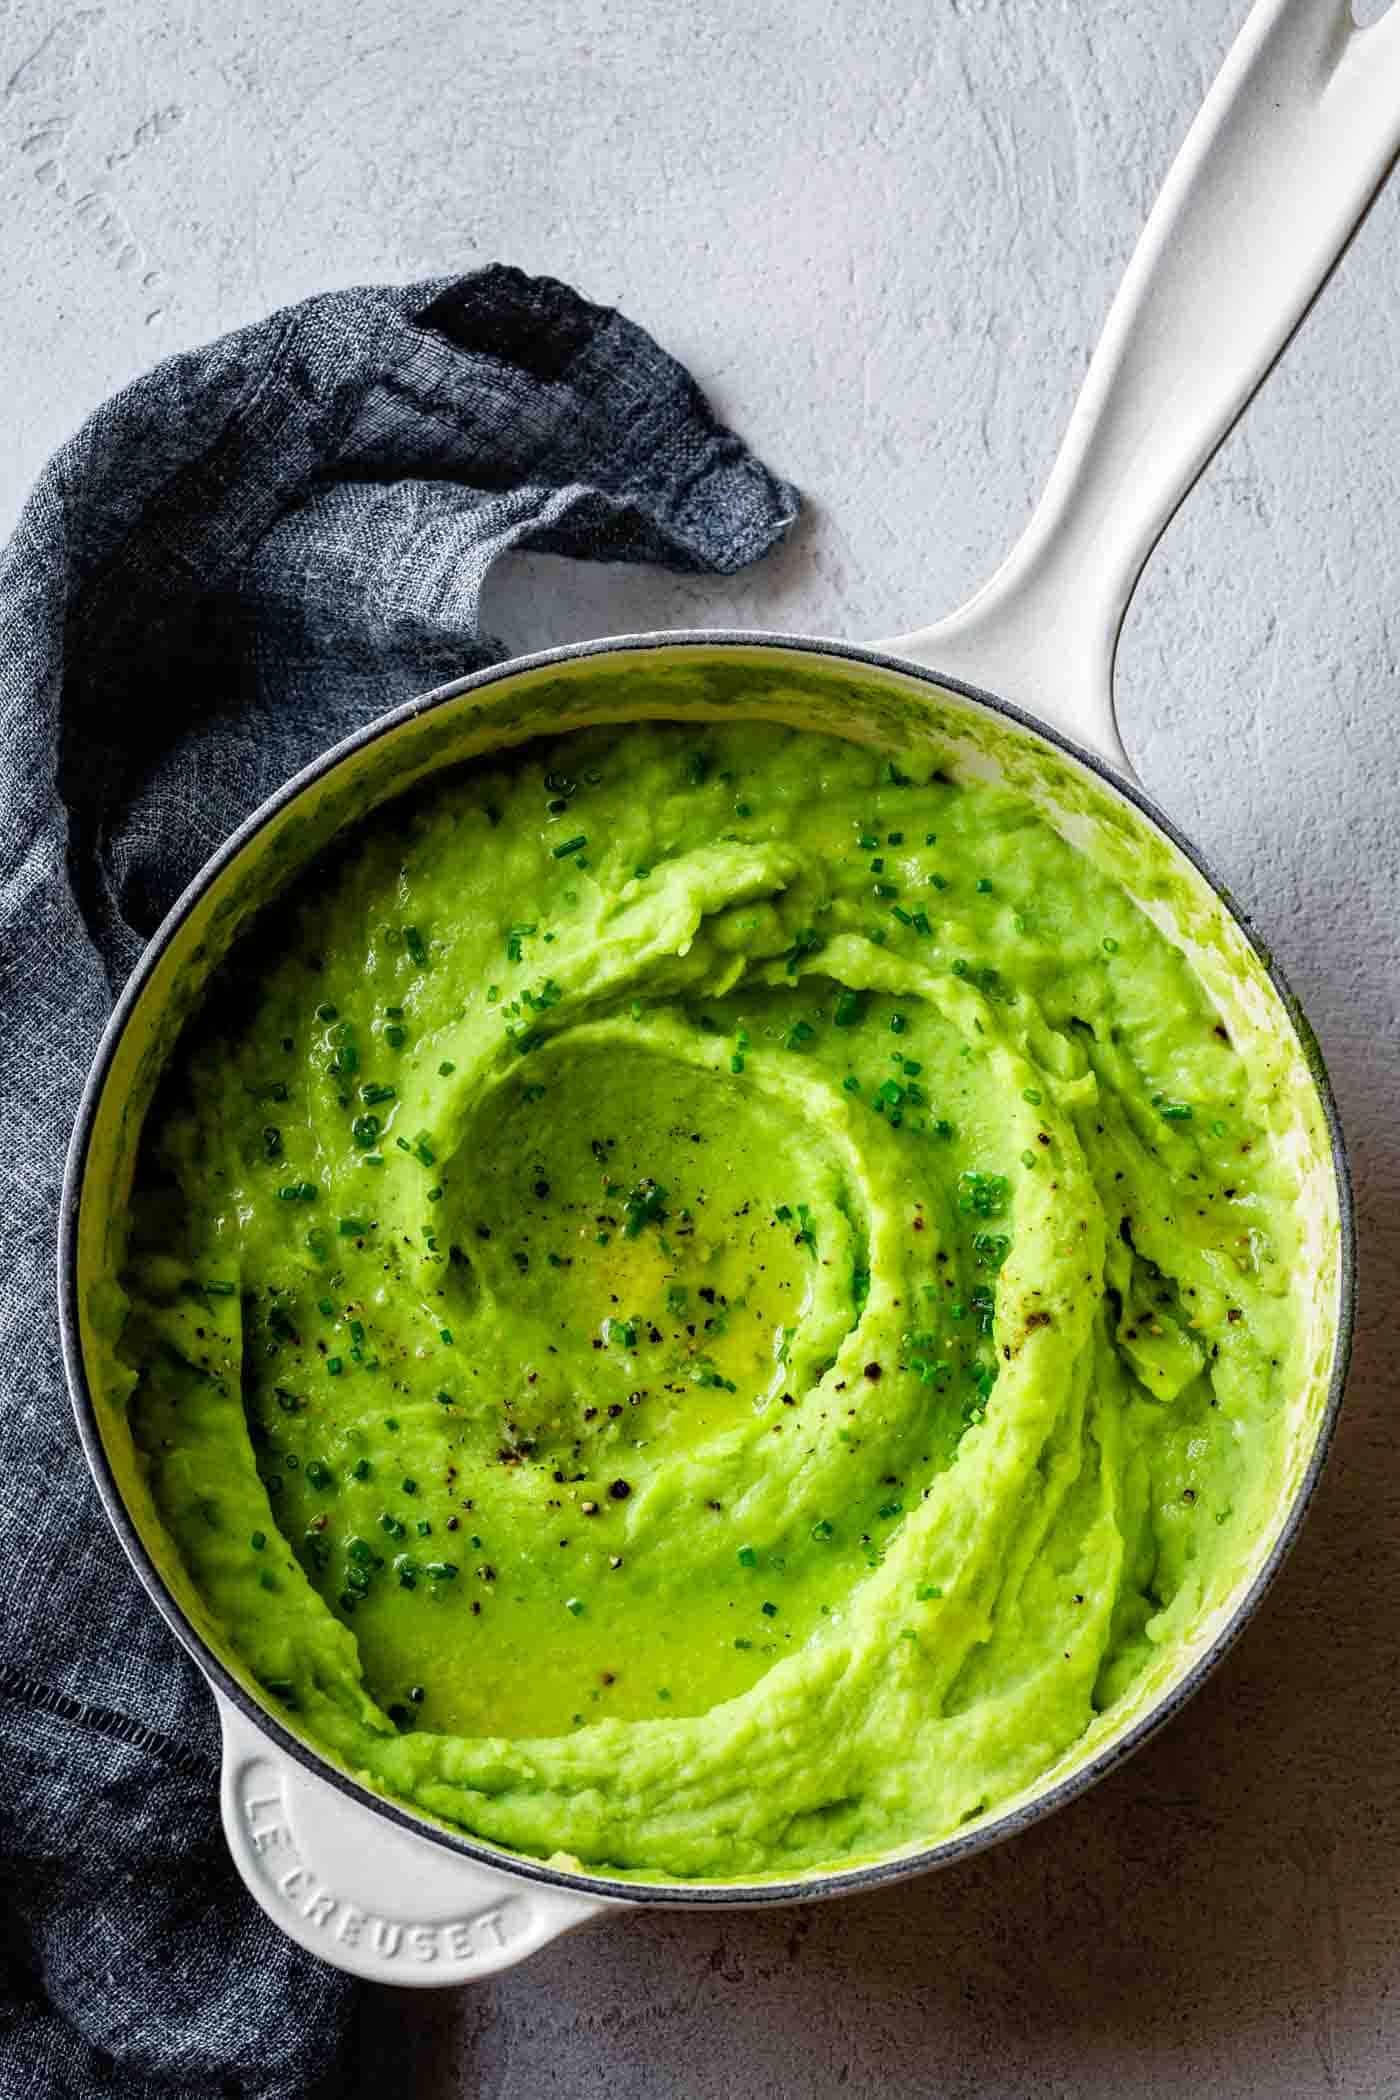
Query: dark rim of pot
[815,1884]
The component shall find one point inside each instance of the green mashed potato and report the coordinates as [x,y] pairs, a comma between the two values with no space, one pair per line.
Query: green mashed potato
[704,1301]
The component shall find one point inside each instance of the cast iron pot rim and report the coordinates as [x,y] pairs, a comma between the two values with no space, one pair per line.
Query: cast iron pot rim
[733,1895]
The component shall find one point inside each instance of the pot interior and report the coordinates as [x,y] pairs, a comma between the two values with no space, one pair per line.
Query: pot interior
[811,686]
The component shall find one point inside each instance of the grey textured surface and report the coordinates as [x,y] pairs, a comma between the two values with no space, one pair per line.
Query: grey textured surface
[884,239]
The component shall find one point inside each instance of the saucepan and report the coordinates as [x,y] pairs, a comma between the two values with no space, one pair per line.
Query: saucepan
[1294,140]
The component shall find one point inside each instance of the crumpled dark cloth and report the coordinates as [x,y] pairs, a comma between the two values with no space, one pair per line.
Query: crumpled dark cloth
[241,558]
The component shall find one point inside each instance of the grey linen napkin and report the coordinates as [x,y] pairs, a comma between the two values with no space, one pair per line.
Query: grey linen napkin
[241,558]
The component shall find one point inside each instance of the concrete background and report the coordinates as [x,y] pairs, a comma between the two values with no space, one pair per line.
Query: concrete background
[884,239]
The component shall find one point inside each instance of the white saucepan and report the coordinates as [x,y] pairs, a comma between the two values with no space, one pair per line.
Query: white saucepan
[1295,138]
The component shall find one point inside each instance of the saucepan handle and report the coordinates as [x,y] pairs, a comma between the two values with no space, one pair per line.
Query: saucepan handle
[364,1893]
[1293,142]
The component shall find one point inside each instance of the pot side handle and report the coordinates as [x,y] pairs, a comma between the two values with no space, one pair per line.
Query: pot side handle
[1295,138]
[362,1892]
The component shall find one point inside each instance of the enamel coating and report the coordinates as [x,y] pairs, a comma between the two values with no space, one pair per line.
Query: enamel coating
[554,1898]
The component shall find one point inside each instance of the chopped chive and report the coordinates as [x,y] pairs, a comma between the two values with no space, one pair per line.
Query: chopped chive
[806,941]
[573,845]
